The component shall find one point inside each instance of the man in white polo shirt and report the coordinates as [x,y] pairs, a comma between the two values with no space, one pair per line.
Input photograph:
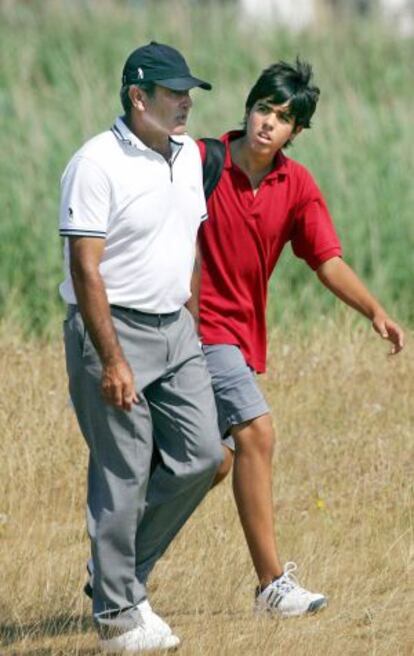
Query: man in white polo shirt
[132,202]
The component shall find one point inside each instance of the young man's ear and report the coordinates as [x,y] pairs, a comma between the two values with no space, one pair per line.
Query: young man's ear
[296,131]
[137,97]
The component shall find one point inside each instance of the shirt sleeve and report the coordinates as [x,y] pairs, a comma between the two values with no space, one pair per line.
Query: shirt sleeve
[85,200]
[314,237]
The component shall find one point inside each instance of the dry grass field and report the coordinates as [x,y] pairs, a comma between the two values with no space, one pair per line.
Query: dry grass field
[344,490]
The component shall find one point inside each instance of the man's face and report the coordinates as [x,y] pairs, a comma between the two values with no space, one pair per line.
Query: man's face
[269,127]
[167,111]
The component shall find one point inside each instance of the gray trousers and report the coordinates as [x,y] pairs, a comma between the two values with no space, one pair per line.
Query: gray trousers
[135,508]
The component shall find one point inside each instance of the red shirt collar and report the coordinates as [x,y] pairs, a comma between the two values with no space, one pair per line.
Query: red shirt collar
[280,167]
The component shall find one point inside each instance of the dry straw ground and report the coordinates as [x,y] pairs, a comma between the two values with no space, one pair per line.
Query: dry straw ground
[343,483]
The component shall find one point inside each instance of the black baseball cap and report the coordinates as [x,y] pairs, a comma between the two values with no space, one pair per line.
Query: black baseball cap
[162,64]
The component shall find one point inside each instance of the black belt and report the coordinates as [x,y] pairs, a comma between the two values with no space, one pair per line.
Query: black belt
[148,317]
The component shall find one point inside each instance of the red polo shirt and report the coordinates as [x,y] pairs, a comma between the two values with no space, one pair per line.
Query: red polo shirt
[242,241]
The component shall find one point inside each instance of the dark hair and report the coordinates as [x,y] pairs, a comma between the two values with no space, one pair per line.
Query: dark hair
[282,83]
[148,87]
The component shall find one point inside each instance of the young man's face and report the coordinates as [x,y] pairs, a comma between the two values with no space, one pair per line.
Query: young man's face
[269,127]
[167,111]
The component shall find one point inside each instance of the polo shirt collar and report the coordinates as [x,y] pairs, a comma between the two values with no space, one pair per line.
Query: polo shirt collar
[280,160]
[124,134]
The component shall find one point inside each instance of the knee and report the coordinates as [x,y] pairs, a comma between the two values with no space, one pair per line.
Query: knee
[257,439]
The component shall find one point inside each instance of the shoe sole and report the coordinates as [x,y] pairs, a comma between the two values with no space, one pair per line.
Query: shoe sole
[313,608]
[171,642]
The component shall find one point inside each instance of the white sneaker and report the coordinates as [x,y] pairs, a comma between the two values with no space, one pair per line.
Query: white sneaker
[151,633]
[285,597]
[152,619]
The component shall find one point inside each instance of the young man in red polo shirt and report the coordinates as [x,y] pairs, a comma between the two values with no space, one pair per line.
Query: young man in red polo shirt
[262,201]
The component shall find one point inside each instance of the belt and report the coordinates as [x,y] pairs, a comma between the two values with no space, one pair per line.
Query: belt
[148,318]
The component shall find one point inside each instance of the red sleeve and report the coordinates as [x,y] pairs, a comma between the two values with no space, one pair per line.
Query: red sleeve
[202,148]
[314,238]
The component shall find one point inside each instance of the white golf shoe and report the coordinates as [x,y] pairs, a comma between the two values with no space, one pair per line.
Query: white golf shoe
[286,598]
[150,633]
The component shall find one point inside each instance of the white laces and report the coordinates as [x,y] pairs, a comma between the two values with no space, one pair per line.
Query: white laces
[288,580]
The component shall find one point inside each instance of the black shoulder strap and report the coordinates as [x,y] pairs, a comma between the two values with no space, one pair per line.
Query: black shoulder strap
[213,164]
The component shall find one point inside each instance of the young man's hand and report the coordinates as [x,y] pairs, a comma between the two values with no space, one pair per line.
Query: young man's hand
[389,330]
[342,281]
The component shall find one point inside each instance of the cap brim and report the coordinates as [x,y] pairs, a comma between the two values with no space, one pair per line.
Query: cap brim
[183,83]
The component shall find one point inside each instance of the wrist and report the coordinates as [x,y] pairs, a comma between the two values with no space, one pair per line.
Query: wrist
[112,359]
[377,314]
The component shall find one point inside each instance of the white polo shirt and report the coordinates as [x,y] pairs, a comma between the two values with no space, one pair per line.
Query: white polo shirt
[147,210]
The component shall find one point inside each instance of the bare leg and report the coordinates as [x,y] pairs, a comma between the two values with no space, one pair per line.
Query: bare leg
[252,485]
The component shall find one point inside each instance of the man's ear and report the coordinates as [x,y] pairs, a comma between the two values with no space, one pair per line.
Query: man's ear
[137,97]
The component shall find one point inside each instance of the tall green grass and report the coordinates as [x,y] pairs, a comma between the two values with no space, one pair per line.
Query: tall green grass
[60,69]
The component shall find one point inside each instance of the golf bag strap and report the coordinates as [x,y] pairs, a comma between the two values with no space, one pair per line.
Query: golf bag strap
[213,164]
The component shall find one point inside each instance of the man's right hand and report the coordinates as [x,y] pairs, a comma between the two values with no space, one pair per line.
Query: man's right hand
[118,385]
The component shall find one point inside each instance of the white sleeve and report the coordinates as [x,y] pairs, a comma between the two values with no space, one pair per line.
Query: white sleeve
[85,200]
[195,169]
[203,206]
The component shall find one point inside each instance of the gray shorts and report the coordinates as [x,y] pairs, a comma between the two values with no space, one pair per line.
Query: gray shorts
[238,396]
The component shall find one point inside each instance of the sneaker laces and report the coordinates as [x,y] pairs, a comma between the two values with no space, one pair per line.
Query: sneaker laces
[284,583]
[288,580]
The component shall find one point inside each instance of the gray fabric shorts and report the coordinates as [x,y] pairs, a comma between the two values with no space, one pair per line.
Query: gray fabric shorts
[238,396]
